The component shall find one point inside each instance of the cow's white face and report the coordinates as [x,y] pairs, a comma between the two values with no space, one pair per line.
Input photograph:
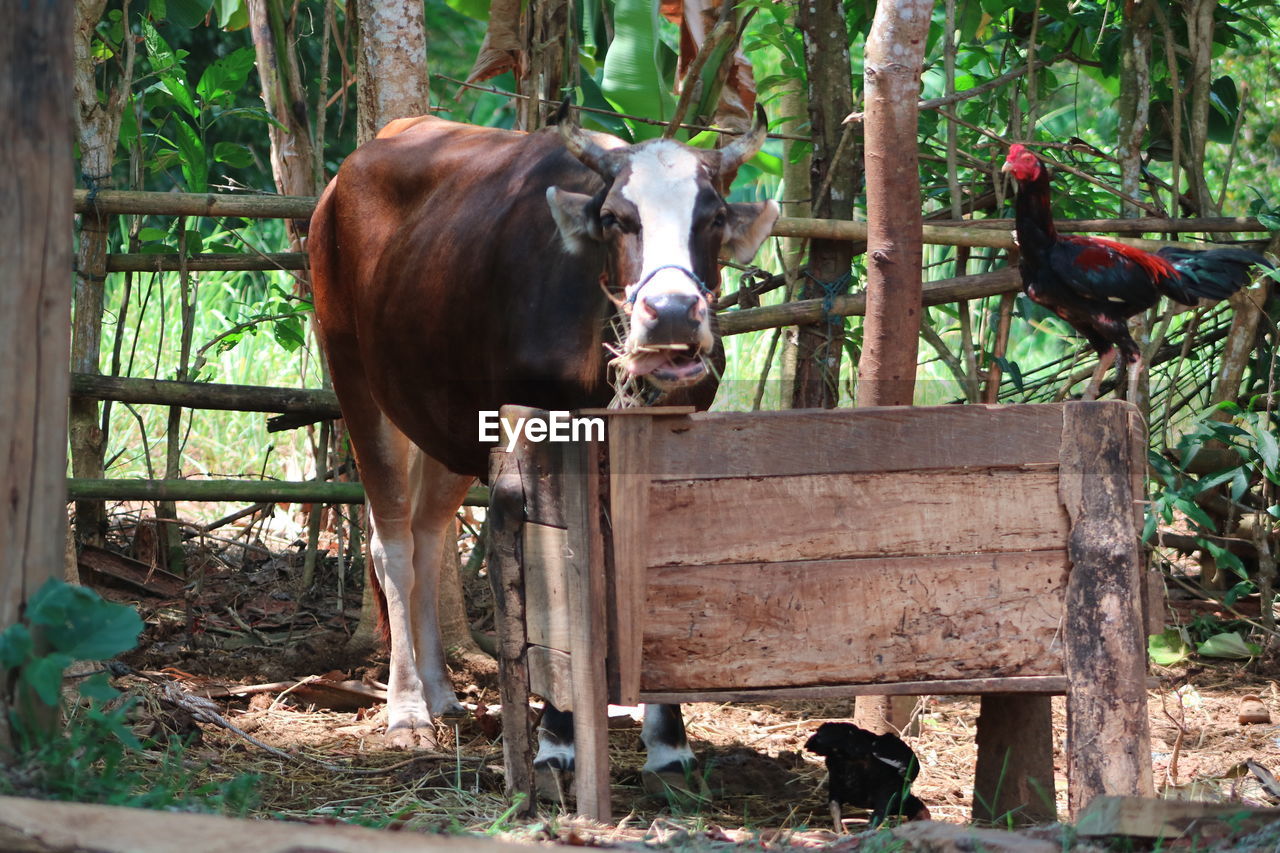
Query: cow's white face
[664,225]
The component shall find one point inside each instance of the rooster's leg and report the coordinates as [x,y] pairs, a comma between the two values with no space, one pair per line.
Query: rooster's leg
[1105,360]
[835,817]
[1134,391]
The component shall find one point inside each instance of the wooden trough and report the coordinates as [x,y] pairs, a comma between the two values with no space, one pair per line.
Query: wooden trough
[739,557]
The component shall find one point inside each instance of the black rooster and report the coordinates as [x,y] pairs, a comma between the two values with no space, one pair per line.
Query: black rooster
[1096,285]
[869,771]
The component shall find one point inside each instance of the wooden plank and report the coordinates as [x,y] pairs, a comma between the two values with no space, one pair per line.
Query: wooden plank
[1013,780]
[52,827]
[895,438]
[1144,817]
[546,578]
[826,516]
[506,515]
[539,470]
[633,411]
[754,625]
[550,676]
[1104,641]
[1050,684]
[629,461]
[588,645]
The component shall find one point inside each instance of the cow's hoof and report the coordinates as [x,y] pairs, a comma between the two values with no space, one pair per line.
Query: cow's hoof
[678,783]
[553,780]
[412,733]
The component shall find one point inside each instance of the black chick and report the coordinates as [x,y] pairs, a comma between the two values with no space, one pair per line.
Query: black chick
[869,771]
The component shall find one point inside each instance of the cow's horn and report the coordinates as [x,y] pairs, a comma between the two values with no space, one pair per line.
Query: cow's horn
[580,143]
[745,146]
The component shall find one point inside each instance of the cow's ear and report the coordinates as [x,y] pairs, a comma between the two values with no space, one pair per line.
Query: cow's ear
[576,216]
[748,224]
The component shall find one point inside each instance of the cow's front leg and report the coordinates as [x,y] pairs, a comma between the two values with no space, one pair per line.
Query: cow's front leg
[439,493]
[671,766]
[553,765]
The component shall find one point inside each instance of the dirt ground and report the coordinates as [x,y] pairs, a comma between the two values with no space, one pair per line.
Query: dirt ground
[241,620]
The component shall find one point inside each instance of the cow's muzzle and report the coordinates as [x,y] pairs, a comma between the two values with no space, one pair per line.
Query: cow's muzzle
[670,328]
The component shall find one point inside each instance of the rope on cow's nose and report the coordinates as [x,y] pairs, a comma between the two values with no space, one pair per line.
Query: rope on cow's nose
[702,288]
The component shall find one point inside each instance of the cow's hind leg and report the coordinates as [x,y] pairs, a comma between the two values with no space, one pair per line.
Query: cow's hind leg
[671,767]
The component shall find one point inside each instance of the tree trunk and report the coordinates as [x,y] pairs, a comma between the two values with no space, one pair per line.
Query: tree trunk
[35,300]
[1134,107]
[1199,19]
[795,203]
[98,128]
[293,157]
[1135,101]
[546,29]
[833,177]
[391,64]
[893,62]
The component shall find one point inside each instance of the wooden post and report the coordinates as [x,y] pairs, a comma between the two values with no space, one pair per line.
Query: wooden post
[35,299]
[581,484]
[506,518]
[1105,647]
[1014,776]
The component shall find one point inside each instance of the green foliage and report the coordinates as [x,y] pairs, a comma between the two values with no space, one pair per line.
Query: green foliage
[62,624]
[1207,636]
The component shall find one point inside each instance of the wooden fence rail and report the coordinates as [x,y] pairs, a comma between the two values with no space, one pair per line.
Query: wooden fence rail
[248,491]
[321,403]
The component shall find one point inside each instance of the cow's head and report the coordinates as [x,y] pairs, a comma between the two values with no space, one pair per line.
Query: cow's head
[664,225]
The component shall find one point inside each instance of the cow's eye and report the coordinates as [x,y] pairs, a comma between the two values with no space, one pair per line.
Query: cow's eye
[720,220]
[608,220]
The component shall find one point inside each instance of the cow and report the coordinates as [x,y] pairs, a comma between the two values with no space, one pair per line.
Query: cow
[456,269]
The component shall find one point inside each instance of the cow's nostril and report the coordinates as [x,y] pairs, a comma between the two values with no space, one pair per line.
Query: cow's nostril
[673,307]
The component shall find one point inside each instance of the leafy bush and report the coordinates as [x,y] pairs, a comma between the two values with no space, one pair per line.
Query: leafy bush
[96,757]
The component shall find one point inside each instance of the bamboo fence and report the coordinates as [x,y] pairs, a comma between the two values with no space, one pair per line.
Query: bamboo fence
[296,407]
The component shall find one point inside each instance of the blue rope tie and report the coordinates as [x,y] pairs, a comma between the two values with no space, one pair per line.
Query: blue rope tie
[830,290]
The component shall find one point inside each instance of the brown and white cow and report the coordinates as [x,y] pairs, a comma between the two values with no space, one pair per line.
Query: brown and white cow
[456,269]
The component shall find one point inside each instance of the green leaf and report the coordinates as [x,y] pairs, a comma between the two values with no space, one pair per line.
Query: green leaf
[158,51]
[226,77]
[176,88]
[232,14]
[15,646]
[188,13]
[233,154]
[97,687]
[1228,645]
[1267,447]
[633,81]
[477,9]
[44,676]
[195,165]
[77,622]
[1224,558]
[1168,648]
[153,235]
[288,333]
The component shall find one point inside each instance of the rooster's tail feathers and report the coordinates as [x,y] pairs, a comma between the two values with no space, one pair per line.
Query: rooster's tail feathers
[1211,274]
